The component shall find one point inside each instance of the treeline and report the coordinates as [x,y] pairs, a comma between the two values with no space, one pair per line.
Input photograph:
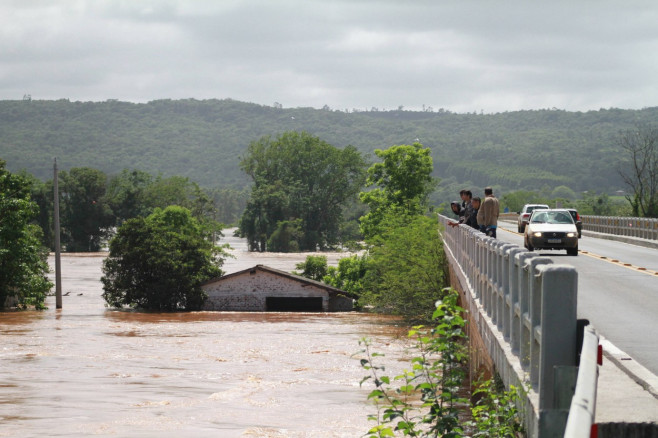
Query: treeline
[205,140]
[93,204]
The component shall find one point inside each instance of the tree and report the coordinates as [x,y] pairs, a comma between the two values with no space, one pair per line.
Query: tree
[262,216]
[350,273]
[42,194]
[299,177]
[178,190]
[23,264]
[407,269]
[314,267]
[126,194]
[159,262]
[563,192]
[403,181]
[640,168]
[86,217]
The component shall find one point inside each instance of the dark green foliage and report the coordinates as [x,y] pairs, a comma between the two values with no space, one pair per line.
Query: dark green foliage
[127,194]
[407,269]
[495,413]
[42,193]
[85,215]
[301,186]
[314,267]
[286,237]
[159,262]
[402,183]
[23,260]
[204,140]
[350,275]
[516,200]
[591,203]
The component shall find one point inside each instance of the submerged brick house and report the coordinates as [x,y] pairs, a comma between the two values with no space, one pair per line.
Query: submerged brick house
[263,289]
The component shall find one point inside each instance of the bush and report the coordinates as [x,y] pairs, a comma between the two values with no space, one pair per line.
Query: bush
[160,262]
[423,401]
[314,267]
[23,260]
[407,270]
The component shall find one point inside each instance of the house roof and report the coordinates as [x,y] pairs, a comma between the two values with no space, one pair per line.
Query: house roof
[332,290]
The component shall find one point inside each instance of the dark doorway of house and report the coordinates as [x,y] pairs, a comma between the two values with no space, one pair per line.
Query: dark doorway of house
[293,304]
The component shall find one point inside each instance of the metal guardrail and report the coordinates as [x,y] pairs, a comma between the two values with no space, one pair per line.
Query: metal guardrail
[643,228]
[530,326]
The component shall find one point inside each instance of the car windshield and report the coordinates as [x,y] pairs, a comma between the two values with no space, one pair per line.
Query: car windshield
[551,217]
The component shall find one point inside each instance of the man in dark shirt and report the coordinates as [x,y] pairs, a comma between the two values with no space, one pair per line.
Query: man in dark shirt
[471,216]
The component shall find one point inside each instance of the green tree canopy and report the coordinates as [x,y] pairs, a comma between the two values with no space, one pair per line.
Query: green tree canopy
[314,267]
[86,217]
[403,181]
[23,265]
[126,194]
[406,267]
[159,262]
[298,177]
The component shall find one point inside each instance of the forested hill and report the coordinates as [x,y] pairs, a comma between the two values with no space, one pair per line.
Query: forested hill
[204,140]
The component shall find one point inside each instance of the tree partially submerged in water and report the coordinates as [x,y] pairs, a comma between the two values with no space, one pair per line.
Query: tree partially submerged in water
[23,264]
[301,187]
[159,262]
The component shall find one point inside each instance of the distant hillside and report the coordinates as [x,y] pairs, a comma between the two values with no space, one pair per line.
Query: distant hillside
[204,140]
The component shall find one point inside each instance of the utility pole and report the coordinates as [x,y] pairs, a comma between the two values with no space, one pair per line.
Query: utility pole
[58,263]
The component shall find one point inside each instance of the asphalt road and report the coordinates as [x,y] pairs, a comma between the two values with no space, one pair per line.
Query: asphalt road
[619,299]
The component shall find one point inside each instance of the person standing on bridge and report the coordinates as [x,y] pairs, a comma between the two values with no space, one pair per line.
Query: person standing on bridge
[467,214]
[487,216]
[472,220]
[456,208]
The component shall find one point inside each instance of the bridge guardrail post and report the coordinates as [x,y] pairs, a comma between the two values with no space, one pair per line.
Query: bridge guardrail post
[558,327]
[489,274]
[495,279]
[525,309]
[513,305]
[533,320]
[479,260]
[511,283]
[503,288]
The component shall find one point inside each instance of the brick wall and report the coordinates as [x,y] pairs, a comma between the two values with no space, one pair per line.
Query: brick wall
[247,291]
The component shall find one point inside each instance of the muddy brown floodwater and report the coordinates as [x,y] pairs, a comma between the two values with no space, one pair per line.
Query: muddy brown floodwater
[86,370]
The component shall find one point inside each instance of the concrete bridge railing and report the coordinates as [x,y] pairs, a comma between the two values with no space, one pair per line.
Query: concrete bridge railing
[643,228]
[522,310]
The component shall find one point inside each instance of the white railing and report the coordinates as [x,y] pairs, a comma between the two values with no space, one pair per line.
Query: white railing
[524,308]
[643,228]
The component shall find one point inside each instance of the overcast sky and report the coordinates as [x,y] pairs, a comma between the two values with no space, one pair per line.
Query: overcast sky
[460,55]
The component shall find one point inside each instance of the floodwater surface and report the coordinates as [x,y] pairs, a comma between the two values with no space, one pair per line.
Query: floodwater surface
[86,370]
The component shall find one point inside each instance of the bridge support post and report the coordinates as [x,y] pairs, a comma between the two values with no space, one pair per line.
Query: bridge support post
[558,330]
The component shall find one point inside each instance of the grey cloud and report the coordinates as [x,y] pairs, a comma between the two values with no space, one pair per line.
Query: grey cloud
[459,55]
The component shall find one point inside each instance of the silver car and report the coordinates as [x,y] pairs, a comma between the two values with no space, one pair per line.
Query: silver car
[551,229]
[524,214]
